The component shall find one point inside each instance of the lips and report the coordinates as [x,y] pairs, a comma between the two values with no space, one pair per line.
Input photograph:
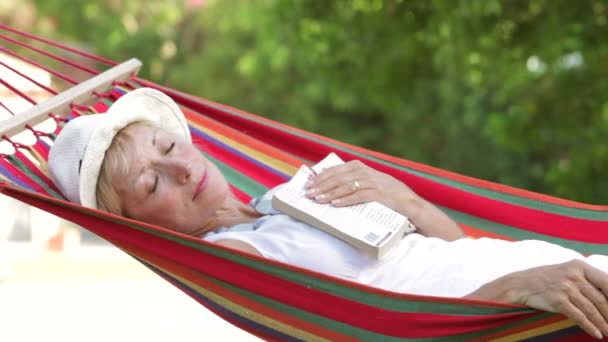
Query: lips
[200,186]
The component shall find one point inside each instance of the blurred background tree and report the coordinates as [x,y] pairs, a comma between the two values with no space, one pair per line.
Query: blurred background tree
[510,91]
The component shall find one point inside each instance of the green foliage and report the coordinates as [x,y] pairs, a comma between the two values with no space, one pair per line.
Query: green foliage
[510,91]
[119,30]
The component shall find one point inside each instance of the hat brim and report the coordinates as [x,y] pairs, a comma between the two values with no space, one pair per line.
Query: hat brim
[144,104]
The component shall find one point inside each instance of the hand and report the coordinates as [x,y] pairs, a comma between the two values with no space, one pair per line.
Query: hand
[354,182]
[574,289]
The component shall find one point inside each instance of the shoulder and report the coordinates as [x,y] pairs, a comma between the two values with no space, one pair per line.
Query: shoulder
[239,245]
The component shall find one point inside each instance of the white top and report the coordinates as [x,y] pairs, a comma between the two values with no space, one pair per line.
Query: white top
[418,265]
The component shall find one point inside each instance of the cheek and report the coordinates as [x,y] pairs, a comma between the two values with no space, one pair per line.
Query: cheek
[164,205]
[218,186]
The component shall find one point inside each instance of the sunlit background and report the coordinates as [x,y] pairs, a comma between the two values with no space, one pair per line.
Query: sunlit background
[58,282]
[509,91]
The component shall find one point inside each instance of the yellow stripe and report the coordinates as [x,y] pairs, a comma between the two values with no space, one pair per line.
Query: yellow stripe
[245,312]
[38,159]
[5,179]
[545,329]
[262,157]
[256,317]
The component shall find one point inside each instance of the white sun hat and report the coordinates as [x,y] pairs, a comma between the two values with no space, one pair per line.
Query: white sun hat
[78,151]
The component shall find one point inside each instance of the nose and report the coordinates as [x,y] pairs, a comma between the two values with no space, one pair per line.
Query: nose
[179,170]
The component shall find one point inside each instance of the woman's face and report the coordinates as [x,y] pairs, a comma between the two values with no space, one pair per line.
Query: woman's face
[169,182]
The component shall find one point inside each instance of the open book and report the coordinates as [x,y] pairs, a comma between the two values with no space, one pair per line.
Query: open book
[370,227]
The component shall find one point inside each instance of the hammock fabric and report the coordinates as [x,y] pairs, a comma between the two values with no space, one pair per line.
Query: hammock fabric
[278,302]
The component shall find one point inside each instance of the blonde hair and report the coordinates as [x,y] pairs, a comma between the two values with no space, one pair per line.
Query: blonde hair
[115,164]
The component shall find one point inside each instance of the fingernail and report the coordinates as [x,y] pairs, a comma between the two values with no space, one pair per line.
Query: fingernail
[336,202]
[598,335]
[320,197]
[311,192]
[309,183]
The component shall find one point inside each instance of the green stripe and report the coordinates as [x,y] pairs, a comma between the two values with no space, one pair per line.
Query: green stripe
[386,303]
[597,215]
[23,168]
[236,178]
[520,234]
[108,102]
[357,332]
[389,303]
[600,215]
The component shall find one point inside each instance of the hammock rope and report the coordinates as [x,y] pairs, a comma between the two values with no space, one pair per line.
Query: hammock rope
[50,54]
[22,75]
[38,65]
[279,302]
[63,47]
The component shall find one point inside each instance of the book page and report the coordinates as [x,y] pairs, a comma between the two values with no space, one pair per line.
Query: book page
[370,222]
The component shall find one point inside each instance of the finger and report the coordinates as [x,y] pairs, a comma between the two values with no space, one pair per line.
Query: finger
[344,190]
[597,278]
[339,183]
[331,172]
[581,320]
[599,301]
[328,188]
[588,309]
[362,196]
[334,172]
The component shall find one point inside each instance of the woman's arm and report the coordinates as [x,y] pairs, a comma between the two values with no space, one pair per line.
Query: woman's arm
[337,185]
[430,221]
[574,289]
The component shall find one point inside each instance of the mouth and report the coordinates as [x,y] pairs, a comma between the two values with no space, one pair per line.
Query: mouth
[200,186]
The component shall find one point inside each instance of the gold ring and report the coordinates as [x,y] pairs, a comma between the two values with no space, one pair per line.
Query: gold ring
[356,186]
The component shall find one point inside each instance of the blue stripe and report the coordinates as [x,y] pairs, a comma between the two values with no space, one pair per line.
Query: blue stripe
[237,152]
[12,178]
[556,335]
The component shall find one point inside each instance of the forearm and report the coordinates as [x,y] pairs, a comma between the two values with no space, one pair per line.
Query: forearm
[499,290]
[431,221]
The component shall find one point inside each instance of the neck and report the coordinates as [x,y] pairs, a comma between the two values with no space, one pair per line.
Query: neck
[231,213]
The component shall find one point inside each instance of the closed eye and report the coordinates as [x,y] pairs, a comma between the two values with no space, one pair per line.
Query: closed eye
[170,148]
[155,184]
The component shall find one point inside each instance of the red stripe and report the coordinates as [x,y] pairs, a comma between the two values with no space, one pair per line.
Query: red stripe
[268,134]
[248,168]
[42,149]
[221,116]
[241,137]
[17,173]
[480,183]
[521,328]
[579,336]
[497,211]
[570,228]
[35,170]
[303,297]
[241,196]
[517,216]
[473,232]
[204,282]
[14,172]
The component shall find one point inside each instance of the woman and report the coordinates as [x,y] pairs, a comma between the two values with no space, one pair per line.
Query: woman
[137,160]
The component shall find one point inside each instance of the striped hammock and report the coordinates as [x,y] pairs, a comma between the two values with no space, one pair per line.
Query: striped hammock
[278,302]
